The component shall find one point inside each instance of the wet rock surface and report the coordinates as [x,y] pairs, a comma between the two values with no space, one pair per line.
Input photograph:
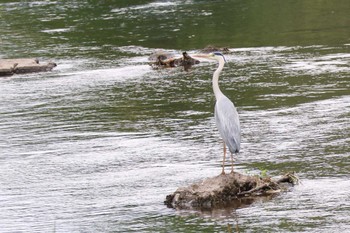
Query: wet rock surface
[227,189]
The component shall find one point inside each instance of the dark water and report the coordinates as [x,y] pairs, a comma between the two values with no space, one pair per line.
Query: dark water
[97,144]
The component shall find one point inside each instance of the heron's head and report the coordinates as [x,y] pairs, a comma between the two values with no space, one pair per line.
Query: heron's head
[212,56]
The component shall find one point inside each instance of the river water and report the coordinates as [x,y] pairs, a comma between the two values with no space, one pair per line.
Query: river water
[97,144]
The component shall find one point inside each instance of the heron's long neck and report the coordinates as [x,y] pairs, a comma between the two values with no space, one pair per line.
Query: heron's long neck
[215,81]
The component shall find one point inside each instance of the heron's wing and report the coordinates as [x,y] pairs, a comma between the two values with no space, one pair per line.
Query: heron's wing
[227,121]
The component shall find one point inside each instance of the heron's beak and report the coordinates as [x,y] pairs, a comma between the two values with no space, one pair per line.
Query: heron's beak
[201,55]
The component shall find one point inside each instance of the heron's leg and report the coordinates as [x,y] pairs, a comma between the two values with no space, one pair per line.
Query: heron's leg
[223,161]
[231,163]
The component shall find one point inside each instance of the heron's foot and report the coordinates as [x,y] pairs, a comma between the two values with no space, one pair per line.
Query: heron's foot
[232,169]
[223,172]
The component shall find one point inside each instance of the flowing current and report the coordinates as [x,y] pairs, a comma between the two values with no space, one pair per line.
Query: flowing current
[98,143]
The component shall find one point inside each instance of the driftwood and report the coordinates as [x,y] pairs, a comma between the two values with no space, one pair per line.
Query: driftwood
[225,190]
[24,65]
[166,60]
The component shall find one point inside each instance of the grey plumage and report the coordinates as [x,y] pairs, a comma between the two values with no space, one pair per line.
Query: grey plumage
[226,116]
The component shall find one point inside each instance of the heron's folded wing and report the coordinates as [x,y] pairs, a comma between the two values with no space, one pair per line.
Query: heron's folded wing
[227,121]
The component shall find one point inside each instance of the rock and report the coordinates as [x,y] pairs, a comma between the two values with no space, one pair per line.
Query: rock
[225,189]
[166,60]
[23,65]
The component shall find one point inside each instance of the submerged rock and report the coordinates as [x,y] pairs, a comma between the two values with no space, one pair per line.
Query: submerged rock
[211,48]
[223,190]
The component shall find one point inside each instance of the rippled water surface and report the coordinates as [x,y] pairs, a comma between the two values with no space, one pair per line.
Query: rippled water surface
[97,144]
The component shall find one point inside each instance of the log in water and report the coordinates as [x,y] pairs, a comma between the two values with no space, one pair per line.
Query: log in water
[23,65]
[166,60]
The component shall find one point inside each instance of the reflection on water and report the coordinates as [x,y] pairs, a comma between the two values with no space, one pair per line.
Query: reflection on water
[97,144]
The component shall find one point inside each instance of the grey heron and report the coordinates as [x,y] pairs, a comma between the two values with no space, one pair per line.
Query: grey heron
[226,116]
